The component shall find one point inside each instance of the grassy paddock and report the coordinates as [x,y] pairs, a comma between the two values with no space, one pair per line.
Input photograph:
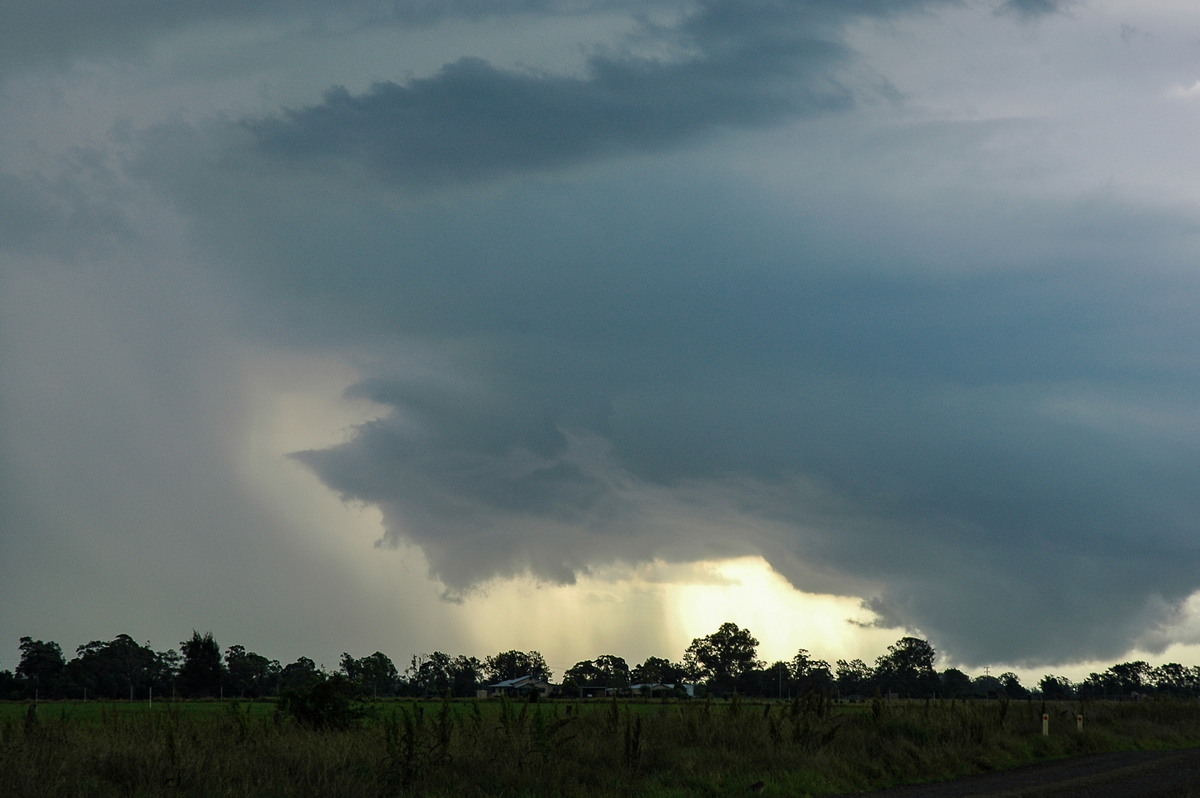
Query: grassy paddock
[97,711]
[495,748]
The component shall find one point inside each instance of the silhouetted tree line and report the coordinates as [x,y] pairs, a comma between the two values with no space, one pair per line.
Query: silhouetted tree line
[124,668]
[719,664]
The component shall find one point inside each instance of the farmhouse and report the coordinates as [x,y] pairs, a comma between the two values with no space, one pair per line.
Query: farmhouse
[521,686]
[595,691]
[658,689]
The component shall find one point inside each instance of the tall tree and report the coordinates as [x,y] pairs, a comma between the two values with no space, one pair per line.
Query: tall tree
[614,671]
[10,686]
[249,674]
[810,675]
[166,671]
[1174,679]
[466,674]
[117,668]
[299,675]
[721,657]
[41,666]
[201,673]
[987,686]
[580,675]
[954,683]
[430,674]
[657,670]
[515,664]
[853,678]
[907,668]
[607,670]
[375,674]
[1056,688]
[1011,683]
[1132,677]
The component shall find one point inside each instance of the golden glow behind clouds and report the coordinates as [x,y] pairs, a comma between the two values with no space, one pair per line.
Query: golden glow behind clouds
[754,596]
[657,609]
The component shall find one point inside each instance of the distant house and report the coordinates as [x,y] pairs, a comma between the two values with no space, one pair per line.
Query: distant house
[657,689]
[519,687]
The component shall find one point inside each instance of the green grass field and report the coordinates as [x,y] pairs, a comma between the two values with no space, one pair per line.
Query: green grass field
[98,711]
[599,748]
[93,712]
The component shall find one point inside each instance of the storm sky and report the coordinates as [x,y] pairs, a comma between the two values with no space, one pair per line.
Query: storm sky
[466,325]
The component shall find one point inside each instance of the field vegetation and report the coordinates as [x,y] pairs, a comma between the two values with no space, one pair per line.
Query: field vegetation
[369,730]
[340,744]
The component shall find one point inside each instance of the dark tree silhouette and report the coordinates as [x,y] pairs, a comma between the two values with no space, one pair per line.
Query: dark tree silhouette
[613,671]
[581,675]
[809,675]
[201,673]
[515,664]
[723,656]
[854,678]
[1173,679]
[954,683]
[41,666]
[299,675]
[118,668]
[656,670]
[430,674]
[466,675]
[1011,684]
[907,668]
[249,674]
[374,674]
[726,659]
[1056,688]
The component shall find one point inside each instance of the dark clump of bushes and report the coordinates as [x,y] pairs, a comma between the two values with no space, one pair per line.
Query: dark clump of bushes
[328,702]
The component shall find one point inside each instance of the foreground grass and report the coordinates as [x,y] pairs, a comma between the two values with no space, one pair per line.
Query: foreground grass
[552,749]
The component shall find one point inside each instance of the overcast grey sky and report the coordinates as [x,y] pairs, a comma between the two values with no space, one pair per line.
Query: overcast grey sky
[899,296]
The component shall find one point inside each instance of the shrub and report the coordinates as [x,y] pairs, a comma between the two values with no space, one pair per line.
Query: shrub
[330,702]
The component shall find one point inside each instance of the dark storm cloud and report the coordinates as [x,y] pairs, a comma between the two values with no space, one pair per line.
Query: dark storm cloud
[1032,9]
[473,120]
[62,214]
[738,64]
[60,31]
[960,441]
[24,212]
[971,405]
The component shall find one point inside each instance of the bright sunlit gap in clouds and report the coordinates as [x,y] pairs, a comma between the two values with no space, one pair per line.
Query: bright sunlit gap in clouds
[750,593]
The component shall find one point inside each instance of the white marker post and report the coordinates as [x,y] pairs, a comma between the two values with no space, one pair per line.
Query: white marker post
[1045,725]
[1079,723]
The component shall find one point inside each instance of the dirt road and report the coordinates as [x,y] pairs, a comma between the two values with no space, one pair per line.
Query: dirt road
[1157,774]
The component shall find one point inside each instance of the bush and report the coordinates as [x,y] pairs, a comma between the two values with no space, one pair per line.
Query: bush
[330,702]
